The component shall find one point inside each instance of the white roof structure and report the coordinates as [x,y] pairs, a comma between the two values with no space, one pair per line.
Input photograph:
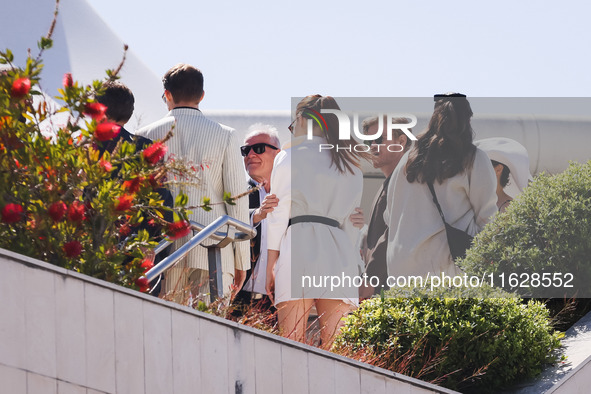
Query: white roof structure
[84,45]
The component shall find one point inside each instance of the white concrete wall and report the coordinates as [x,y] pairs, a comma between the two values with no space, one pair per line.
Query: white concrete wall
[62,332]
[576,382]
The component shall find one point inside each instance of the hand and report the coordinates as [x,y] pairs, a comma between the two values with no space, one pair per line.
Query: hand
[270,288]
[357,218]
[268,205]
[236,286]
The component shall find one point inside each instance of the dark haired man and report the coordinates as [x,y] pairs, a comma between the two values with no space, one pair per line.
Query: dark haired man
[215,148]
[385,156]
[120,105]
[119,101]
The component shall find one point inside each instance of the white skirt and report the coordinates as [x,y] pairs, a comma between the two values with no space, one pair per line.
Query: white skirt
[317,261]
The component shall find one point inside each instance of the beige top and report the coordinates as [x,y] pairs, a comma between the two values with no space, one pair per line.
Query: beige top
[417,243]
[306,184]
[217,148]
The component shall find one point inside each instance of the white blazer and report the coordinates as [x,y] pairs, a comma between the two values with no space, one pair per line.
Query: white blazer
[215,151]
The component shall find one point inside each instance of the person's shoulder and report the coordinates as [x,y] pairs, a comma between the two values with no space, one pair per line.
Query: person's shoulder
[164,123]
[140,142]
[282,157]
[481,154]
[481,159]
[216,125]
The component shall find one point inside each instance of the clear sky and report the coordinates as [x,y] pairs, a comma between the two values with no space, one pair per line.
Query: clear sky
[257,54]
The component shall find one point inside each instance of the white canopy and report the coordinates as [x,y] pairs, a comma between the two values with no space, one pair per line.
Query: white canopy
[83,45]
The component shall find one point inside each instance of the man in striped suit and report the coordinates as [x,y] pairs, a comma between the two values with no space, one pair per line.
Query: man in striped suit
[215,150]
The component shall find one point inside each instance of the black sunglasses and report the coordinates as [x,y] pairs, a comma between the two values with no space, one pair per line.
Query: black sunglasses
[257,148]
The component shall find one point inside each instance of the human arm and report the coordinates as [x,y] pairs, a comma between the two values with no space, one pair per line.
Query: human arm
[272,257]
[482,191]
[278,219]
[357,218]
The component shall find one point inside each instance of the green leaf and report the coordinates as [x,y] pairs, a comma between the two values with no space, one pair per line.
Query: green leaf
[228,198]
[181,200]
[45,43]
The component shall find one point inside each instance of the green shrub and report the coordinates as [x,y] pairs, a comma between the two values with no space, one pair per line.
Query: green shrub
[546,232]
[470,343]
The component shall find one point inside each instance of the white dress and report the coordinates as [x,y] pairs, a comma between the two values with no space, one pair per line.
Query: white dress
[316,260]
[417,242]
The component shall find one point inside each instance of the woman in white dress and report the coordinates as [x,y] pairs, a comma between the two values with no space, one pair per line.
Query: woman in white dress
[463,181]
[310,239]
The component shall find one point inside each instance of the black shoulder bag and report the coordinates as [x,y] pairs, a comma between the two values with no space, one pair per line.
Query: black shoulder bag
[458,240]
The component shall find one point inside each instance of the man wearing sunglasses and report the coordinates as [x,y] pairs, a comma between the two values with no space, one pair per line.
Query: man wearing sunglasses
[214,148]
[261,145]
[385,156]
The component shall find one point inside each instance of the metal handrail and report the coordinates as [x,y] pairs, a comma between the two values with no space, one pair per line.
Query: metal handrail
[217,236]
[204,232]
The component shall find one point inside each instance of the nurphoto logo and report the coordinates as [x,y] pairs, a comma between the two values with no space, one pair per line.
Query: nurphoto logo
[345,129]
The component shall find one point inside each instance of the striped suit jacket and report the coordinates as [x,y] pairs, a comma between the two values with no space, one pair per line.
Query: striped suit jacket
[216,147]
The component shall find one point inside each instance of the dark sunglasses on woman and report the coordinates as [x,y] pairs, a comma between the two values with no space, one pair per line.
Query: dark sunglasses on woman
[257,148]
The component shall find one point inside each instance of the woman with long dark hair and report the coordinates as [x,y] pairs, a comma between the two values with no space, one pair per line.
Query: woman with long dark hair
[318,182]
[463,182]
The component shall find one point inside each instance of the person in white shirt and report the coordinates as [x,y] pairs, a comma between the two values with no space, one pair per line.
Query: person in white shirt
[215,149]
[261,145]
[310,236]
[511,164]
[464,183]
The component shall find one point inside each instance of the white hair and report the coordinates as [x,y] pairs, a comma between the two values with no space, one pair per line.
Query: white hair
[264,129]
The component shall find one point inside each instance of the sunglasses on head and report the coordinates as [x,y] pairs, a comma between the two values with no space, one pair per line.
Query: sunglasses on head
[290,127]
[257,148]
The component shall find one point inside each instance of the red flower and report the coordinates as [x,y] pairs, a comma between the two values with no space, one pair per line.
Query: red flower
[155,152]
[20,87]
[68,81]
[147,265]
[106,131]
[95,110]
[76,212]
[178,229]
[133,185]
[124,230]
[143,284]
[12,213]
[124,202]
[57,210]
[72,249]
[106,165]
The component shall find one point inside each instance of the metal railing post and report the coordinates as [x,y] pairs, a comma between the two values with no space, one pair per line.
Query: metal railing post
[216,284]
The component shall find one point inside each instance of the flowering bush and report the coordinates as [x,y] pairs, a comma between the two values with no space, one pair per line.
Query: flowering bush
[63,202]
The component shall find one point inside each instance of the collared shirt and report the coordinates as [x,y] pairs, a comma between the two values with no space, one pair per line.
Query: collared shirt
[257,281]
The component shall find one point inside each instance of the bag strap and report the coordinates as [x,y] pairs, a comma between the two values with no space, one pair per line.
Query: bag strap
[436,202]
